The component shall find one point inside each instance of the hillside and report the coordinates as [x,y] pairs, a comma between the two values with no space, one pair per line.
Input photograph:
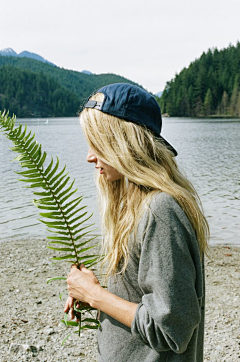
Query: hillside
[75,86]
[210,86]
[29,94]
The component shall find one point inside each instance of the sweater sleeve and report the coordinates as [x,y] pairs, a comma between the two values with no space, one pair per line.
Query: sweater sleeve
[170,277]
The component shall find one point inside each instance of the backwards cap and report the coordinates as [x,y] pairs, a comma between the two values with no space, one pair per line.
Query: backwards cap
[132,104]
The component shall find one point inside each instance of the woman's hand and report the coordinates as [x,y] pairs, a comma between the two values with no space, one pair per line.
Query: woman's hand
[82,286]
[69,308]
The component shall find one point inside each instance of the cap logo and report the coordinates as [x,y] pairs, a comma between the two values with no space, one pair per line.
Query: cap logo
[93,104]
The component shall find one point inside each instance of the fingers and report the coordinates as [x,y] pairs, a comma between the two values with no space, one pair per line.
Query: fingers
[74,271]
[89,272]
[80,268]
[69,304]
[69,307]
[84,269]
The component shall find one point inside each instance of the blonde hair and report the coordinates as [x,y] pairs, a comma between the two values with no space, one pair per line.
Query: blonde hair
[148,167]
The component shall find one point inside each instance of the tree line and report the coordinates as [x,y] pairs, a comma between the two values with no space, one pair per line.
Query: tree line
[210,86]
[29,94]
[30,88]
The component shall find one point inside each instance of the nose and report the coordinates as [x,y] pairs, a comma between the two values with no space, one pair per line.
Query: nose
[91,157]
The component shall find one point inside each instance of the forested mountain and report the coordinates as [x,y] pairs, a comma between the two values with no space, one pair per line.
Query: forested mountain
[210,86]
[30,88]
[25,54]
[29,94]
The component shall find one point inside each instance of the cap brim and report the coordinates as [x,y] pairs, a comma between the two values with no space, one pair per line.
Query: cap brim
[167,144]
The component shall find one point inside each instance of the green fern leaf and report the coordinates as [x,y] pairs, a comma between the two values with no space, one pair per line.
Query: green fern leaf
[64,257]
[48,193]
[53,171]
[59,242]
[60,249]
[48,169]
[63,216]
[28,174]
[66,193]
[86,249]
[73,204]
[54,179]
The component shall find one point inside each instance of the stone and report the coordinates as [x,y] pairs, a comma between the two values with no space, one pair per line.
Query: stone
[23,348]
[48,331]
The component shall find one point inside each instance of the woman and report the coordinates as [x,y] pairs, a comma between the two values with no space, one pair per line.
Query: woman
[155,235]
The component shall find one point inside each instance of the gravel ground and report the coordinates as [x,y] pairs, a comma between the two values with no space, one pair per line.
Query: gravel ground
[31,310]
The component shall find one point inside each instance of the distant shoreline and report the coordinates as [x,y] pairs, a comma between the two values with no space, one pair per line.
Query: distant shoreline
[165,115]
[215,116]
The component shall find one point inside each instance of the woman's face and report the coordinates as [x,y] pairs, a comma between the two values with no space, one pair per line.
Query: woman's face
[110,173]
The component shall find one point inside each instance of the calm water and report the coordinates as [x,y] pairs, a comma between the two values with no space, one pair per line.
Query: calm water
[209,153]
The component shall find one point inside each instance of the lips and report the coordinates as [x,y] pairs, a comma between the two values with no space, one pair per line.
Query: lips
[101,170]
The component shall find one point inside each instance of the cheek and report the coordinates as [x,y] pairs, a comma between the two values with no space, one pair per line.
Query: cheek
[114,175]
[118,174]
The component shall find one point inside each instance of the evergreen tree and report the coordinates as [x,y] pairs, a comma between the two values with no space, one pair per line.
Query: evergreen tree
[224,103]
[209,86]
[234,96]
[208,102]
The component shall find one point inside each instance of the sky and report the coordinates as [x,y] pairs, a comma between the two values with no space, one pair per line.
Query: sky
[145,41]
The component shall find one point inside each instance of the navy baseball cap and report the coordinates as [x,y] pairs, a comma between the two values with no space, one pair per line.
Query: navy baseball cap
[133,104]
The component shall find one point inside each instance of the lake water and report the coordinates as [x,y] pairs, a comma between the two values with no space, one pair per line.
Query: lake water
[208,150]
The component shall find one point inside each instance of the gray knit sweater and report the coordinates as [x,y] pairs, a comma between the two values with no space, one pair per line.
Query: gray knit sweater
[165,278]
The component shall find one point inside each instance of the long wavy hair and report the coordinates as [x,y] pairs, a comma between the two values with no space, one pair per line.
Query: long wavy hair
[147,167]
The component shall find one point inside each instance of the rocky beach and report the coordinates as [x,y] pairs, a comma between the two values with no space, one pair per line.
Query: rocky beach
[31,310]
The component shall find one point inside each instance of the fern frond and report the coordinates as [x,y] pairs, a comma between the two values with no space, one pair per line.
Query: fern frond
[57,187]
[63,216]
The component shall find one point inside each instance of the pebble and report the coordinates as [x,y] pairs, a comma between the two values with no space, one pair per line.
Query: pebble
[23,348]
[31,310]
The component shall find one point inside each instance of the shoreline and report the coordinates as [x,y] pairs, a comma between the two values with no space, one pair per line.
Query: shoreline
[17,239]
[31,310]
